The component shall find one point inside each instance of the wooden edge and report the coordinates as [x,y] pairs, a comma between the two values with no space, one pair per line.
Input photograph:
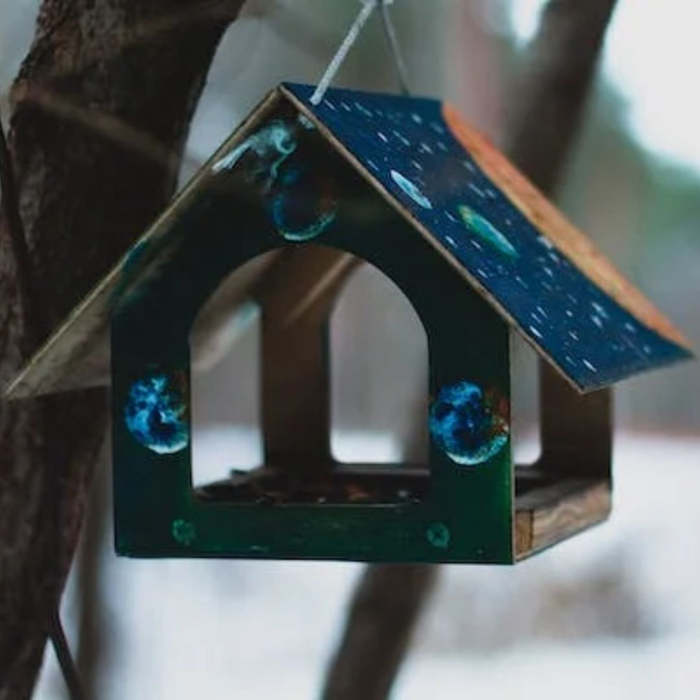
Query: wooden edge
[551,514]
[568,239]
[45,370]
[473,281]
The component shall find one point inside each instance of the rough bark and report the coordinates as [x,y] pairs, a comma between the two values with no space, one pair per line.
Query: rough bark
[548,107]
[549,103]
[101,109]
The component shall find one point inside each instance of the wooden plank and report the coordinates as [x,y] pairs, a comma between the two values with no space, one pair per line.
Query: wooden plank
[553,513]
[576,430]
[296,299]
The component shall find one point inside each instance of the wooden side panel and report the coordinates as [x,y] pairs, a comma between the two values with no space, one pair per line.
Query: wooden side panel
[549,515]
[576,430]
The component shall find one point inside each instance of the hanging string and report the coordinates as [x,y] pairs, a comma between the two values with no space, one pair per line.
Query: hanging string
[393,42]
[368,6]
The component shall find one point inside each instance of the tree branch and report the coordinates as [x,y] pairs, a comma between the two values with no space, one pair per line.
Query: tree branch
[550,103]
[15,230]
[84,197]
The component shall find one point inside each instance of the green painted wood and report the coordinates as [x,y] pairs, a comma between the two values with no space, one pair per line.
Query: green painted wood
[293,183]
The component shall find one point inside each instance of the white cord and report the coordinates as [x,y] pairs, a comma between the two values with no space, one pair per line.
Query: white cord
[393,42]
[350,38]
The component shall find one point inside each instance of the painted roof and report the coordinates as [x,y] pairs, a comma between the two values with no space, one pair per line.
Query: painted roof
[514,247]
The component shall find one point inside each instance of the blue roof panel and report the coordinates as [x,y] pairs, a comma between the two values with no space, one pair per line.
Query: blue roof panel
[406,145]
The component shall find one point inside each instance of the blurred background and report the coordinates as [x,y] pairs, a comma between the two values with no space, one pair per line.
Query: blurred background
[613,611]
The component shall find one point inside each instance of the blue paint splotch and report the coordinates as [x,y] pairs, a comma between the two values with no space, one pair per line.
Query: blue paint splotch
[304,204]
[156,413]
[486,231]
[470,426]
[271,145]
[300,205]
[411,189]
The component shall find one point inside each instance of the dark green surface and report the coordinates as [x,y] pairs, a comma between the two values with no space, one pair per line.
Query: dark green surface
[467,514]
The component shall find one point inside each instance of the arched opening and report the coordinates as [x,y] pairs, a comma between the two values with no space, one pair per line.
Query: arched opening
[525,430]
[225,345]
[282,354]
[379,374]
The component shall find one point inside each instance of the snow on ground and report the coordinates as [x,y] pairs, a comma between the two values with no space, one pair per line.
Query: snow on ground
[613,611]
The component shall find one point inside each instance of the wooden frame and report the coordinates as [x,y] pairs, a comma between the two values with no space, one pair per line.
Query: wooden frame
[303,184]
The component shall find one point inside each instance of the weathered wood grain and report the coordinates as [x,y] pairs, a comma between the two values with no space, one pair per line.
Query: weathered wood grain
[549,515]
[84,198]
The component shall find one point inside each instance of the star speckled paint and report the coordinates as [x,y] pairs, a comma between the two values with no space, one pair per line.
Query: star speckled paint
[408,147]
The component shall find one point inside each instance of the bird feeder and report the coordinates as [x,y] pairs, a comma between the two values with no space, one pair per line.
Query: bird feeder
[406,185]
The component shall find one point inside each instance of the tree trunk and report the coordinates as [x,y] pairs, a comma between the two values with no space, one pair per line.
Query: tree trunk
[548,107]
[101,110]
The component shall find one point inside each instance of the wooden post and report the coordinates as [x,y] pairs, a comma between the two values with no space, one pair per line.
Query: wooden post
[576,429]
[296,300]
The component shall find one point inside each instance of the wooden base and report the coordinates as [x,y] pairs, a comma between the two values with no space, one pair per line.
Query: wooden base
[366,484]
[549,511]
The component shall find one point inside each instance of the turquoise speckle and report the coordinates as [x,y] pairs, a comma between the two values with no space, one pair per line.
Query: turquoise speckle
[438,534]
[272,144]
[184,532]
[486,231]
[411,190]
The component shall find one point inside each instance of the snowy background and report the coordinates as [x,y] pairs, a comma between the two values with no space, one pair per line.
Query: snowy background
[615,611]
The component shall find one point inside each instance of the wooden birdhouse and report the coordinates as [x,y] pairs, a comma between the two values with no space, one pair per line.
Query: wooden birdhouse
[405,184]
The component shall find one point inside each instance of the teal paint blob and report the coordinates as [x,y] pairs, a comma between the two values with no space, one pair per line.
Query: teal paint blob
[155,414]
[468,426]
[272,145]
[438,534]
[411,190]
[486,231]
[183,532]
[301,231]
